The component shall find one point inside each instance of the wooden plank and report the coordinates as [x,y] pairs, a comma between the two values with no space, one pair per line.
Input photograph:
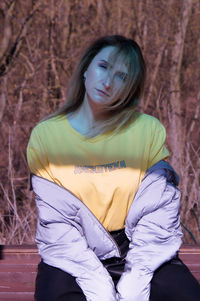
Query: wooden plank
[19,267]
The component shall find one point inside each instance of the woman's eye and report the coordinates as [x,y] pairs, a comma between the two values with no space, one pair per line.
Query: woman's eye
[104,66]
[122,76]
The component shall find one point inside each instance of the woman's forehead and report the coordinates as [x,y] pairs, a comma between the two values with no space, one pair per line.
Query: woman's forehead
[111,55]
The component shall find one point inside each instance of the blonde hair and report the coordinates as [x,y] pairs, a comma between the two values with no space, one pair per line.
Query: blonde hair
[119,113]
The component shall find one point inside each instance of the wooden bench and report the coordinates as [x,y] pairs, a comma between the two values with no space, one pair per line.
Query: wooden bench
[18,268]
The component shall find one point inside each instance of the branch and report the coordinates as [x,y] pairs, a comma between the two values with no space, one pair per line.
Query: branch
[190,233]
[18,42]
[3,97]
[7,32]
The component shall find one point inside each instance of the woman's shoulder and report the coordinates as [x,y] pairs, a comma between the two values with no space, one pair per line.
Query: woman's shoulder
[48,125]
[143,119]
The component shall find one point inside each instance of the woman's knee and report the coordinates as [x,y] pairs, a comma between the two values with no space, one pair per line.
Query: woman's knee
[173,281]
[53,284]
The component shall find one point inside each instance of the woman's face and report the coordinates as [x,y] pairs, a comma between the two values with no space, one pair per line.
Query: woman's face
[104,78]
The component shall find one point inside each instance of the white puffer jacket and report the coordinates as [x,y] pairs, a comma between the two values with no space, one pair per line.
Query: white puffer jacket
[71,238]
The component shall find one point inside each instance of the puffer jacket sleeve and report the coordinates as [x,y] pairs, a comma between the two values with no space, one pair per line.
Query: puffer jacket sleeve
[62,245]
[153,227]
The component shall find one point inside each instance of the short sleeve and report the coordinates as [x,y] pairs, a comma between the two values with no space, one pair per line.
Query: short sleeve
[158,150]
[36,155]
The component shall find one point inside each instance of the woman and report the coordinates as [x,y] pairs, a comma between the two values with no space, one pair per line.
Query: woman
[108,221]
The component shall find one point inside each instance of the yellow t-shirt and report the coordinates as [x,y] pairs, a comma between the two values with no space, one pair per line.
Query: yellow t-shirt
[103,172]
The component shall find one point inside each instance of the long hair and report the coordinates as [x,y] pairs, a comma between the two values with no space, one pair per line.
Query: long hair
[121,111]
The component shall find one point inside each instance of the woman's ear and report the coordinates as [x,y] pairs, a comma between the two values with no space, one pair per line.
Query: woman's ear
[84,75]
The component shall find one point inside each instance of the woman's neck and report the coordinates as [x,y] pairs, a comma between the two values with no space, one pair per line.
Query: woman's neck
[84,119]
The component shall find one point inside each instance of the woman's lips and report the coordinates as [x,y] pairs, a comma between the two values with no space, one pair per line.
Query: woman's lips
[102,92]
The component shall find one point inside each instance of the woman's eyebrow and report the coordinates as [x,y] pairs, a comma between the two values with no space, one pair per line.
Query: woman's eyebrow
[107,62]
[104,61]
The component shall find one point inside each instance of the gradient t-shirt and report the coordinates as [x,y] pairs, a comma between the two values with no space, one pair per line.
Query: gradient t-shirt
[103,172]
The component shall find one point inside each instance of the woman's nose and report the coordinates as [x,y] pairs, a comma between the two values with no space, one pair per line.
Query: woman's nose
[107,82]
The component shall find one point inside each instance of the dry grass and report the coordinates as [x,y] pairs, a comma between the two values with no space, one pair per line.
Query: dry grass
[40,42]
[18,216]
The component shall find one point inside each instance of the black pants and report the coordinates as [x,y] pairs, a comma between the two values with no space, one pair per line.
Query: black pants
[171,282]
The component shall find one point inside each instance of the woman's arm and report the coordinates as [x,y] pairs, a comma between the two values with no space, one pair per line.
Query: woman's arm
[153,226]
[61,245]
